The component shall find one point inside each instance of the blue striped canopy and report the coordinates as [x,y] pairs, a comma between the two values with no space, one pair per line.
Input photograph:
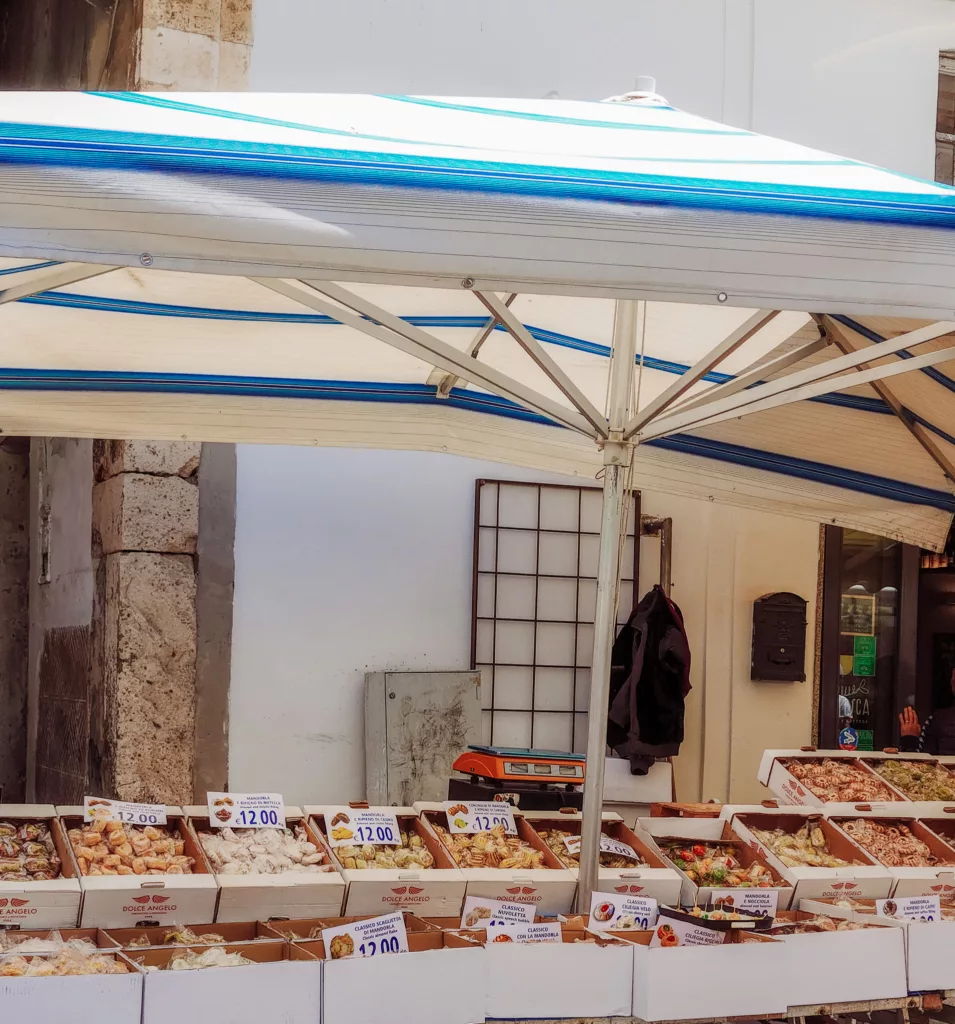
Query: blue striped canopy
[415,204]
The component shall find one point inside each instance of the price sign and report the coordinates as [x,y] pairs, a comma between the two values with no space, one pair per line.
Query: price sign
[761,902]
[671,932]
[347,826]
[481,913]
[480,817]
[246,810]
[99,809]
[526,933]
[621,913]
[607,845]
[911,908]
[366,938]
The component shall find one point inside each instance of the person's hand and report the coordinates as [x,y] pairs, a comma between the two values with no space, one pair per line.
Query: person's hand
[909,723]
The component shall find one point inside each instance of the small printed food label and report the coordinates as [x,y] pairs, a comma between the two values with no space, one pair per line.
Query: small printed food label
[911,908]
[348,826]
[672,932]
[761,902]
[621,913]
[366,938]
[607,845]
[246,810]
[524,933]
[97,808]
[481,913]
[479,817]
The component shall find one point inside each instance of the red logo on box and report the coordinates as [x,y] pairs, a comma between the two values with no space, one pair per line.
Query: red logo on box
[514,891]
[3,903]
[414,890]
[943,888]
[140,899]
[401,891]
[161,899]
[14,902]
[628,888]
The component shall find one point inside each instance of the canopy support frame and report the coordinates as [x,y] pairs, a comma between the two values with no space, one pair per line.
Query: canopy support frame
[618,455]
[50,278]
[364,316]
[805,383]
[444,382]
[845,343]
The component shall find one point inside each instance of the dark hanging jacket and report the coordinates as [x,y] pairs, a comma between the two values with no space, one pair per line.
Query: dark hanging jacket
[649,680]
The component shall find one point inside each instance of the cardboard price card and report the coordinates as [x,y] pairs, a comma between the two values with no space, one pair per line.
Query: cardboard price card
[526,933]
[623,913]
[760,902]
[911,908]
[480,817]
[673,932]
[246,810]
[366,938]
[348,826]
[99,809]
[607,845]
[481,913]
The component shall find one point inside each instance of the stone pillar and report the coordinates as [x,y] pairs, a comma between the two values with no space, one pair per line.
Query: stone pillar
[143,665]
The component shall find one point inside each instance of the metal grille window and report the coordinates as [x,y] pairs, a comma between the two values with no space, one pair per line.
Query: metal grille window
[535,590]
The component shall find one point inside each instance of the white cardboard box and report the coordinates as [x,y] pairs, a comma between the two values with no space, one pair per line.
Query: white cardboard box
[929,963]
[61,999]
[550,889]
[748,976]
[653,879]
[437,891]
[790,790]
[285,984]
[559,979]
[51,904]
[444,985]
[293,894]
[869,879]
[845,967]
[924,881]
[770,756]
[126,900]
[704,830]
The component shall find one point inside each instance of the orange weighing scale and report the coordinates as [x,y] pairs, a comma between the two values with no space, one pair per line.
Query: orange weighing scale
[535,780]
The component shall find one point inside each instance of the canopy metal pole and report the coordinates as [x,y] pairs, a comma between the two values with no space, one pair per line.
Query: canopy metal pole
[617,456]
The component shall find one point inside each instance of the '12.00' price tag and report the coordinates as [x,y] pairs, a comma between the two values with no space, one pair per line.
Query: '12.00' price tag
[348,826]
[607,845]
[246,810]
[99,809]
[480,817]
[366,938]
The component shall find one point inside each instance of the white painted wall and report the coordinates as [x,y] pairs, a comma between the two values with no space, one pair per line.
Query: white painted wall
[349,561]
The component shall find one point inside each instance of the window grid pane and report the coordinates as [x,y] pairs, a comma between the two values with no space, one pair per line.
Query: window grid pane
[535,563]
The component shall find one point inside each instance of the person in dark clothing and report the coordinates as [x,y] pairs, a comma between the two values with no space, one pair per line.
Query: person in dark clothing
[937,736]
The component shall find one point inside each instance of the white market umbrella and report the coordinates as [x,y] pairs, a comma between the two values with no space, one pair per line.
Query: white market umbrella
[561,285]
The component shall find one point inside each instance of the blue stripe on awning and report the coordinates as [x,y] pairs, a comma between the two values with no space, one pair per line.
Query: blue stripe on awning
[43,144]
[422,394]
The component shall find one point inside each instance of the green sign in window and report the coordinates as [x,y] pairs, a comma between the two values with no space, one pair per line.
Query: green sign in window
[865,739]
[863,665]
[864,646]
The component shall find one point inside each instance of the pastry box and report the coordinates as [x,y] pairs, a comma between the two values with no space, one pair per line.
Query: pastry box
[670,835]
[746,975]
[916,880]
[283,983]
[47,903]
[862,876]
[792,777]
[64,998]
[550,888]
[437,890]
[117,901]
[649,876]
[259,896]
[522,978]
[388,987]
[164,936]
